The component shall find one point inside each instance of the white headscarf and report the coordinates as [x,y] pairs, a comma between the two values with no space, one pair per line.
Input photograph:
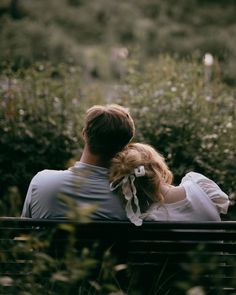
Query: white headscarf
[129,191]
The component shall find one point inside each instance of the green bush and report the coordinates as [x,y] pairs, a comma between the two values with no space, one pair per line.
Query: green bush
[26,41]
[40,122]
[63,30]
[187,115]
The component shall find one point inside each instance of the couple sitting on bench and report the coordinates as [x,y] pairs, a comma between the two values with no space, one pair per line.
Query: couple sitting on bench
[126,181]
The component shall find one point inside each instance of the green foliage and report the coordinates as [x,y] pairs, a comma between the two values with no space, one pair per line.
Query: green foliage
[10,202]
[186,116]
[40,122]
[39,42]
[63,30]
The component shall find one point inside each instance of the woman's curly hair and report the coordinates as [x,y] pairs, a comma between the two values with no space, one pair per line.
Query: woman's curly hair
[156,171]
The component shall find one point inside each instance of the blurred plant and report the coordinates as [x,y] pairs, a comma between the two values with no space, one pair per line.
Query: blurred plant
[64,31]
[40,122]
[10,203]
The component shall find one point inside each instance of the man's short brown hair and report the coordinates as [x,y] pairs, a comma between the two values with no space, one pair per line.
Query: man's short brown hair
[108,129]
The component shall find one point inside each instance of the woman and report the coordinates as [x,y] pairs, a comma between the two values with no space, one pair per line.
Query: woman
[142,177]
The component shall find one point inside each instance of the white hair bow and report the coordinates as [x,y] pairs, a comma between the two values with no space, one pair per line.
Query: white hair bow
[129,191]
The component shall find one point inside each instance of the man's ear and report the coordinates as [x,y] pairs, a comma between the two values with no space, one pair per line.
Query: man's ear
[83,132]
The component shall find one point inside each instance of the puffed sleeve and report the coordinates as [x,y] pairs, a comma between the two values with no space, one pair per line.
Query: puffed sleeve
[213,191]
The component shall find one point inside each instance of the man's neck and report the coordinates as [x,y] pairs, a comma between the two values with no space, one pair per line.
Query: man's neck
[91,159]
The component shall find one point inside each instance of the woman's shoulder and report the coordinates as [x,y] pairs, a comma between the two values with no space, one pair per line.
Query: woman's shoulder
[207,184]
[195,177]
[210,188]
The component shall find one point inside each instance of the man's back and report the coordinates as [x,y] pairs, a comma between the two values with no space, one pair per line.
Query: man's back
[106,131]
[84,183]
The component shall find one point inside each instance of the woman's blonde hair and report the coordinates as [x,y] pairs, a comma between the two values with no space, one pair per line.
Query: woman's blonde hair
[156,171]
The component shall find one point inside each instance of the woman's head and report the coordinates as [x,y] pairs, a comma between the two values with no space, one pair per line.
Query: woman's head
[133,156]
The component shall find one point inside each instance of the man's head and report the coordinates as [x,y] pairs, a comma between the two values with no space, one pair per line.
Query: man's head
[107,130]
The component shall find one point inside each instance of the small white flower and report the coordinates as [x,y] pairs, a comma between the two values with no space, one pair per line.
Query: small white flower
[120,53]
[41,67]
[208,59]
[198,290]
[120,267]
[56,99]
[123,53]
[6,281]
[229,125]
[208,98]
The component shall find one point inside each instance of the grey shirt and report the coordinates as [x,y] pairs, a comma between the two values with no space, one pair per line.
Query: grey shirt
[86,184]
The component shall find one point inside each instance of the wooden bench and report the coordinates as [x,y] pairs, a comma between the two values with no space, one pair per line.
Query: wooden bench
[161,257]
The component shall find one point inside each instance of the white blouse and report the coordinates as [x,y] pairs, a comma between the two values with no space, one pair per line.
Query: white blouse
[204,201]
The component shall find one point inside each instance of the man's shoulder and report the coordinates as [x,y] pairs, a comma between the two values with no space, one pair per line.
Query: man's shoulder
[50,175]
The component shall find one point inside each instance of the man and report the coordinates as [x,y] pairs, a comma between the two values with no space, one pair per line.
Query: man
[107,130]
